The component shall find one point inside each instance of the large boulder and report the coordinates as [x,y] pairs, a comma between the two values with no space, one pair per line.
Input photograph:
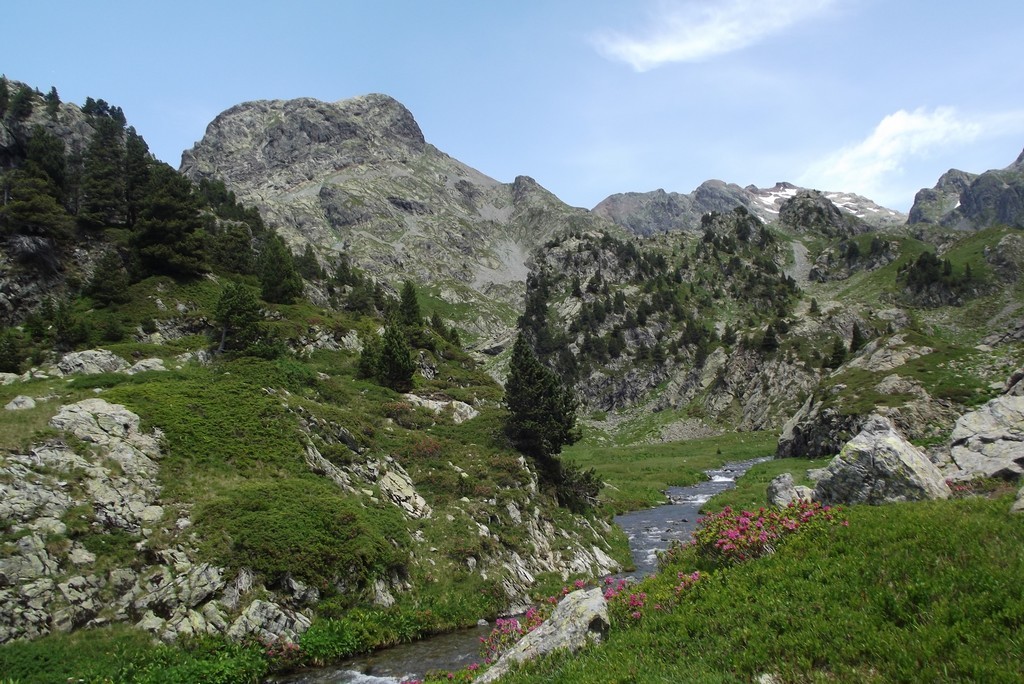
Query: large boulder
[91,362]
[879,466]
[989,442]
[579,620]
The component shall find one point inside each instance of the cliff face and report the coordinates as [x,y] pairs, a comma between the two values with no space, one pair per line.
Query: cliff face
[967,200]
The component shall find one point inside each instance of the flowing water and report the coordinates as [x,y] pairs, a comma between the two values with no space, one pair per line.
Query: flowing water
[649,532]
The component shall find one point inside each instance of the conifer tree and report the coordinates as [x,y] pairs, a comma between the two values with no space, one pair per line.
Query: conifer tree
[541,412]
[857,339]
[5,95]
[239,315]
[32,208]
[103,178]
[308,266]
[109,283]
[280,282]
[168,236]
[409,308]
[10,356]
[388,360]
[137,162]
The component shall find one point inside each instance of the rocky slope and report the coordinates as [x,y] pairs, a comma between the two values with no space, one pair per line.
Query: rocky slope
[357,176]
[646,213]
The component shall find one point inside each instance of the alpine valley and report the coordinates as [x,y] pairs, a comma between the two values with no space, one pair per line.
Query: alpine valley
[256,414]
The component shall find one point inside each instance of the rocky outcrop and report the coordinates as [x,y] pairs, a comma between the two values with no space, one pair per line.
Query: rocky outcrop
[91,362]
[268,622]
[989,442]
[879,466]
[810,211]
[581,619]
[962,200]
[459,411]
[816,430]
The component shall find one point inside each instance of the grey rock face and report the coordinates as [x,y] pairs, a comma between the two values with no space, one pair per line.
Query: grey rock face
[357,176]
[879,466]
[815,431]
[268,622]
[647,213]
[579,620]
[989,442]
[962,200]
[810,211]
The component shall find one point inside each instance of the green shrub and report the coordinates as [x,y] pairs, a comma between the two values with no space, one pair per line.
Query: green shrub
[305,527]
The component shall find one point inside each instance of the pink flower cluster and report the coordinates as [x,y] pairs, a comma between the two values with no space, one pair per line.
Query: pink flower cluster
[732,537]
[686,582]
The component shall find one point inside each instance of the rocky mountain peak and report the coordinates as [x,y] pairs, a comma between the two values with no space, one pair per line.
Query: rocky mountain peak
[292,141]
[813,211]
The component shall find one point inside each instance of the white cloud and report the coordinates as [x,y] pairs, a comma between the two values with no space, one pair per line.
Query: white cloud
[875,167]
[698,29]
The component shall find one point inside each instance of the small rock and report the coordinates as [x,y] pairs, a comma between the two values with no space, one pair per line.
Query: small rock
[20,403]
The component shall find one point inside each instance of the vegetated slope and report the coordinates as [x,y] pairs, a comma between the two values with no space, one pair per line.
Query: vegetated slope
[810,321]
[907,592]
[275,478]
[357,176]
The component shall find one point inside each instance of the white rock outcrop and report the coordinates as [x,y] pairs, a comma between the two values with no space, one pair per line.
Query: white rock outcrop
[989,442]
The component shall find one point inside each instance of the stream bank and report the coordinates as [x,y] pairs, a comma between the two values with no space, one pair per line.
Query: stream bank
[649,531]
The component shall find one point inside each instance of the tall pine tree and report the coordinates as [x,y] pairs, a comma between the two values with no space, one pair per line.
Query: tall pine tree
[280,282]
[168,236]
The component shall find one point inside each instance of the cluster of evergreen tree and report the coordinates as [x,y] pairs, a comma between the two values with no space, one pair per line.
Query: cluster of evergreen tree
[930,273]
[388,359]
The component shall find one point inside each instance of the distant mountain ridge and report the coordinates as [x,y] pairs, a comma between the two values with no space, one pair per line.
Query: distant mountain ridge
[646,213]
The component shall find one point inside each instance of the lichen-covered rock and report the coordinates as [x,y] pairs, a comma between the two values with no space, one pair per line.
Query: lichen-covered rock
[145,365]
[989,442]
[579,620]
[782,491]
[397,486]
[879,466]
[1018,504]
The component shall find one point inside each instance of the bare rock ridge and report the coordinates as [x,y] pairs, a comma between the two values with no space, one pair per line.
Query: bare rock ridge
[647,213]
[358,176]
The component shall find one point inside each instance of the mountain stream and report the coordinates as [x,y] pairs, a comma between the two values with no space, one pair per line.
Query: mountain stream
[649,532]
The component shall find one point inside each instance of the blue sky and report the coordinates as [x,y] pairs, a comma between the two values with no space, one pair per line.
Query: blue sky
[589,97]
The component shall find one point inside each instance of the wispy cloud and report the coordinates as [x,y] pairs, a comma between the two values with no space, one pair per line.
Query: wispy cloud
[695,30]
[874,166]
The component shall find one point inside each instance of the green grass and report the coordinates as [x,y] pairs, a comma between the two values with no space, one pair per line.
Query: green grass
[908,592]
[637,476]
[125,655]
